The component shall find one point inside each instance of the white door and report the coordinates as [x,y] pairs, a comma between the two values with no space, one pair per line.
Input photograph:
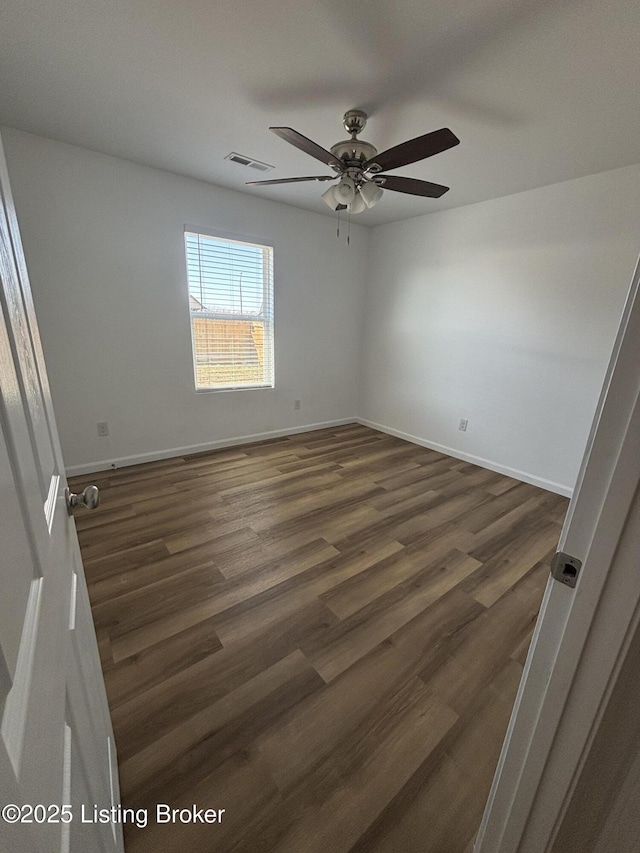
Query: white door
[57,756]
[584,633]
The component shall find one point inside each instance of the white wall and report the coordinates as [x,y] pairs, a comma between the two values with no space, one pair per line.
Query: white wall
[504,313]
[103,240]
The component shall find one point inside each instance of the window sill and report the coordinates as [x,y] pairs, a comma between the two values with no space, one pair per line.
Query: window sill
[235,388]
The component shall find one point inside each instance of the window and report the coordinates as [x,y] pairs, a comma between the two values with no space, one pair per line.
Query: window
[231,306]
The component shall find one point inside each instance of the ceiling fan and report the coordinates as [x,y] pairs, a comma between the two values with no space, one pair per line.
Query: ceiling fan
[359,167]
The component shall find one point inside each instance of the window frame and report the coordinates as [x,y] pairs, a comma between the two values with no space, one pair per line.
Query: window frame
[245,239]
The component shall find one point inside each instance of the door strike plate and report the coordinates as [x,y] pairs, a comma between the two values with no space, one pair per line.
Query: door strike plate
[565,568]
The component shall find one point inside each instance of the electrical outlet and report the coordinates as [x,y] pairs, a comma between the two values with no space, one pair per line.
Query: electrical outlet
[297,404]
[103,429]
[464,423]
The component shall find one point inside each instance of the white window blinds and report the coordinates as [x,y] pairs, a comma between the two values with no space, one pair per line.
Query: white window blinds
[231,306]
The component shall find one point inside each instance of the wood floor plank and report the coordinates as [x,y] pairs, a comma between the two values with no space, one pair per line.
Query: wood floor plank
[209,530]
[503,572]
[163,597]
[413,530]
[406,502]
[439,809]
[501,532]
[128,559]
[291,483]
[356,592]
[238,622]
[430,467]
[137,533]
[257,552]
[495,508]
[185,754]
[241,786]
[154,665]
[487,646]
[304,511]
[147,716]
[374,623]
[368,771]
[166,565]
[316,727]
[320,633]
[140,632]
[118,496]
[105,516]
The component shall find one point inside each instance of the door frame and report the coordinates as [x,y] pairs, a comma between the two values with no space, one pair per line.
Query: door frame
[582,636]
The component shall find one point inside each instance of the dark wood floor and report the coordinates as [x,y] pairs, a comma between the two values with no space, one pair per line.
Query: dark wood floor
[321,634]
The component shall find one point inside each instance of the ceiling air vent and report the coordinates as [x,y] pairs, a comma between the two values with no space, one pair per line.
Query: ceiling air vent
[248,161]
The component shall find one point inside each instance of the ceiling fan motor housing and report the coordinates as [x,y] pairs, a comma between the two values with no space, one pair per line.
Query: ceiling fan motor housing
[353,151]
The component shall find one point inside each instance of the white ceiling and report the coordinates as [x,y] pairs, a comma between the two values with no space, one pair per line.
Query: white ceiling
[538,92]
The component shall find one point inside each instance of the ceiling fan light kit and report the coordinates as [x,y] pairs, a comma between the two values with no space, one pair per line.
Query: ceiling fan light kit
[329,198]
[355,200]
[371,193]
[358,204]
[345,190]
[357,164]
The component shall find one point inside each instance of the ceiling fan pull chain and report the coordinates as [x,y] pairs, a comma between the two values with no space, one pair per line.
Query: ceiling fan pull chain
[338,231]
[349,229]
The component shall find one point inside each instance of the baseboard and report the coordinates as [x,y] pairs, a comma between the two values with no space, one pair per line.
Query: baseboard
[549,485]
[154,456]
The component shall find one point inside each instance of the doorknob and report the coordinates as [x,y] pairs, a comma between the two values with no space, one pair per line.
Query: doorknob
[90,498]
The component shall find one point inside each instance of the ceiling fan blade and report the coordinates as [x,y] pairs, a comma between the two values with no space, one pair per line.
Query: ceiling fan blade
[291,180]
[414,149]
[292,136]
[413,187]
